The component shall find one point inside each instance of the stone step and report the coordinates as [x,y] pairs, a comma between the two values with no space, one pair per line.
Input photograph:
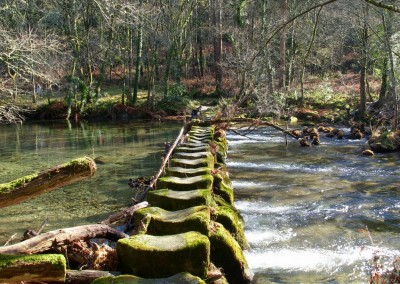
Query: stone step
[163,222]
[186,183]
[194,163]
[183,149]
[187,172]
[177,200]
[184,278]
[162,256]
[193,145]
[195,140]
[193,155]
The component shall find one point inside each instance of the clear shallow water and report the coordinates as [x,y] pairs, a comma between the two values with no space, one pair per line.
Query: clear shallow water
[304,207]
[121,151]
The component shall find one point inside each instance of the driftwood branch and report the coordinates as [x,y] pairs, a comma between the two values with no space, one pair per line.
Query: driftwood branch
[49,240]
[124,215]
[24,188]
[84,276]
[255,122]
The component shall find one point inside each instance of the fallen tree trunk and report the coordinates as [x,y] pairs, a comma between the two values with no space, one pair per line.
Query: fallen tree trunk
[24,188]
[40,267]
[255,122]
[122,216]
[84,276]
[56,238]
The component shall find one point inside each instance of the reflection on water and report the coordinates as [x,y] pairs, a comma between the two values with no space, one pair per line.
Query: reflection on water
[304,207]
[121,151]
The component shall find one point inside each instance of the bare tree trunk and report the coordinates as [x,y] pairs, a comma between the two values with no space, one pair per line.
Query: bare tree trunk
[217,21]
[61,237]
[282,46]
[364,63]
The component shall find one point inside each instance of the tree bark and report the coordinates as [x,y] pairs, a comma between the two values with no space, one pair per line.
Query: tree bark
[42,267]
[27,187]
[84,276]
[56,238]
[123,215]
[217,21]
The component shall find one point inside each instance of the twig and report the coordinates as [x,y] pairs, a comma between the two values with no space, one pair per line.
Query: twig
[10,239]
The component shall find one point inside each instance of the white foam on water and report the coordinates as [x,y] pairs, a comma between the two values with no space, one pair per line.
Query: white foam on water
[249,184]
[267,236]
[315,259]
[248,207]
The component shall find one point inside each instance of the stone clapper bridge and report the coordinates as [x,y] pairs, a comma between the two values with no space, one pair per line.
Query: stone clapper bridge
[191,227]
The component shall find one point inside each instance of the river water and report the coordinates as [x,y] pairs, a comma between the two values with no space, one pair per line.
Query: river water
[318,214]
[121,151]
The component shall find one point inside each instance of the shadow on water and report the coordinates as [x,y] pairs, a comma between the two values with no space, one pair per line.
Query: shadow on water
[122,151]
[305,208]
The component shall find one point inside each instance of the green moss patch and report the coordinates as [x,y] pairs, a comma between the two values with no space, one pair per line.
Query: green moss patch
[177,200]
[183,184]
[163,256]
[194,163]
[184,278]
[227,254]
[231,221]
[187,172]
[40,267]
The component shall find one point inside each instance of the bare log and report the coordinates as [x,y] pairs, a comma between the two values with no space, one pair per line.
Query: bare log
[255,122]
[41,267]
[124,215]
[27,187]
[56,238]
[84,276]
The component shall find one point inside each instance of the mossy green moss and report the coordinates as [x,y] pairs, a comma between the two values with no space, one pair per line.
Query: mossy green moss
[184,172]
[194,163]
[9,186]
[231,221]
[184,278]
[386,142]
[162,256]
[225,191]
[177,200]
[163,222]
[227,254]
[32,267]
[184,184]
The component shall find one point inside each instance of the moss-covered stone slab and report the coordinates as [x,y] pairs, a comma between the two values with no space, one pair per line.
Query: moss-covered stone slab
[177,200]
[198,148]
[225,191]
[194,163]
[163,222]
[233,222]
[187,172]
[195,140]
[184,278]
[162,256]
[187,183]
[193,155]
[227,254]
[37,267]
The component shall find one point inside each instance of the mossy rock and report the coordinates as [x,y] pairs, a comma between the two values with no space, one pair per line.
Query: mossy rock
[192,146]
[386,142]
[183,277]
[37,267]
[225,191]
[183,149]
[227,254]
[194,163]
[163,222]
[231,221]
[162,256]
[187,172]
[177,200]
[193,155]
[220,202]
[195,140]
[188,183]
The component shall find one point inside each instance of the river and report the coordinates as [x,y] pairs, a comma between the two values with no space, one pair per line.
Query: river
[318,214]
[121,151]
